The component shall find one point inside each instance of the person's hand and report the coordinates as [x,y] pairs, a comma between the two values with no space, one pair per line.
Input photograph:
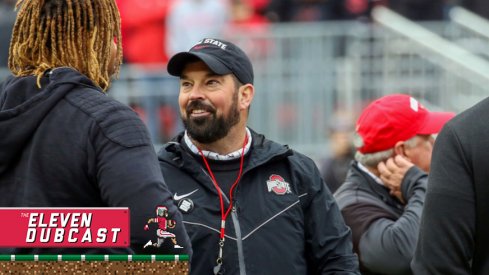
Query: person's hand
[392,172]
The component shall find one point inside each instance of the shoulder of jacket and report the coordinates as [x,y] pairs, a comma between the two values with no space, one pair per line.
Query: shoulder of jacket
[348,191]
[118,122]
[352,194]
[169,151]
[306,176]
[302,162]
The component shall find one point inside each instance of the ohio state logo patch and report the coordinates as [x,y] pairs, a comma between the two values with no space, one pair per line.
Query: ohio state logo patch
[278,185]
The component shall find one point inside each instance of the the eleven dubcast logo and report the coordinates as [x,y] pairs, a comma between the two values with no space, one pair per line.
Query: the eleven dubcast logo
[67,227]
[76,228]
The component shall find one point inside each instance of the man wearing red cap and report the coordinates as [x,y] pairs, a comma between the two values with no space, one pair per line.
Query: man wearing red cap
[384,192]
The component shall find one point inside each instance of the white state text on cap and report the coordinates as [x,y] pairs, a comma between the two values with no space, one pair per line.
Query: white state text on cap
[212,42]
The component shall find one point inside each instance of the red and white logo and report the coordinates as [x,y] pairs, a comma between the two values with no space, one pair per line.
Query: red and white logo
[278,185]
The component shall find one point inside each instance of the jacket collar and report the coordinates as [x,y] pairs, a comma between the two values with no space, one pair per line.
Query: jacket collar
[366,182]
[215,156]
[262,151]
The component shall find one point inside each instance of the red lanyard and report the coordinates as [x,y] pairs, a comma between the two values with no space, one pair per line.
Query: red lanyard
[214,181]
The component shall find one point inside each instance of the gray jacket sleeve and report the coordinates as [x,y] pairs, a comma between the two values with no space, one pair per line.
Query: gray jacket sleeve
[388,246]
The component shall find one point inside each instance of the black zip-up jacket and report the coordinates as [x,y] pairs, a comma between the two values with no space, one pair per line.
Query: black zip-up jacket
[454,232]
[69,145]
[384,230]
[298,232]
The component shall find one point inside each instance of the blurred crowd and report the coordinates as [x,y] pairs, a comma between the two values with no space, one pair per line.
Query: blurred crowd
[155,29]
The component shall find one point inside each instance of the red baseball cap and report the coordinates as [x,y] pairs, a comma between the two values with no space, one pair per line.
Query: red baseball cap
[394,118]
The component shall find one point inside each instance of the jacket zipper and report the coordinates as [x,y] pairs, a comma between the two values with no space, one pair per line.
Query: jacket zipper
[239,242]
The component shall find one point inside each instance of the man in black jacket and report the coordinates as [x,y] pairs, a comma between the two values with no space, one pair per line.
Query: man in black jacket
[383,195]
[250,205]
[454,228]
[63,142]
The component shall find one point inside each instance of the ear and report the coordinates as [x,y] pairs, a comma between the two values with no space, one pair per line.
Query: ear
[246,93]
[400,149]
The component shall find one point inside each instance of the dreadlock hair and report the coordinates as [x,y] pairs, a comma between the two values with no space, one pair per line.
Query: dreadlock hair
[73,33]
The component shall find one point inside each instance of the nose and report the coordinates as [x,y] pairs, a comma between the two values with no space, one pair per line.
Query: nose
[196,93]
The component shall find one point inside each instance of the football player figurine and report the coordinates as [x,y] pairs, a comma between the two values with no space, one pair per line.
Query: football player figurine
[163,223]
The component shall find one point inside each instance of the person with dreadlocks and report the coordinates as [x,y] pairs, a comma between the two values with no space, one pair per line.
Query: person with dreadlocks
[64,142]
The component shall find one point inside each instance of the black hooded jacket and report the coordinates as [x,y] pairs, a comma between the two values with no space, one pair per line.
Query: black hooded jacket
[69,145]
[298,231]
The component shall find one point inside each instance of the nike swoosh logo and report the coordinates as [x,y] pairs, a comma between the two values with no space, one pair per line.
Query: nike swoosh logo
[177,197]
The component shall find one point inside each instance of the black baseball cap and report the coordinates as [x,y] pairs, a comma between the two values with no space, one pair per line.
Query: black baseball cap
[221,56]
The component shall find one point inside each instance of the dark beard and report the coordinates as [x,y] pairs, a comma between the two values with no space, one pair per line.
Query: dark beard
[210,129]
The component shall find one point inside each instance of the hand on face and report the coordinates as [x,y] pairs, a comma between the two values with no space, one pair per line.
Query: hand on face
[392,173]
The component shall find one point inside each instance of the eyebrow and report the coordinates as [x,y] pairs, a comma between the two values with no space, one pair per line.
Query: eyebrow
[209,74]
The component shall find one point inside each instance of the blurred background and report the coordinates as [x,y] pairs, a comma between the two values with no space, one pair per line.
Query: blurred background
[317,62]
